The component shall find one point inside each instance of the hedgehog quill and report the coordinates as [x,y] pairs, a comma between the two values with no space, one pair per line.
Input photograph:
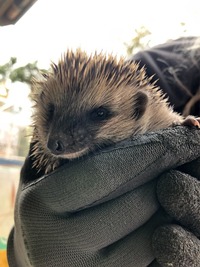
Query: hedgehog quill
[86,102]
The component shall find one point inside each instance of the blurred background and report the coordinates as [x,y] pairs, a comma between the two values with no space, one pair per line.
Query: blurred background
[34,33]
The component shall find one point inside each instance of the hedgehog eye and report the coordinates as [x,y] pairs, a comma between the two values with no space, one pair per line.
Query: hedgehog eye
[100,114]
[50,110]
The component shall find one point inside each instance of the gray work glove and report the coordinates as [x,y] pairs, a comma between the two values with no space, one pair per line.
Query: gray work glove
[101,210]
[179,193]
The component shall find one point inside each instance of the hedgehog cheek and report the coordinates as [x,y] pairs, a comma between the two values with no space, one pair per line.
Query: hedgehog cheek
[140,105]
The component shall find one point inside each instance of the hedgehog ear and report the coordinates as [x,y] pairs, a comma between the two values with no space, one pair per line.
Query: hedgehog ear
[140,104]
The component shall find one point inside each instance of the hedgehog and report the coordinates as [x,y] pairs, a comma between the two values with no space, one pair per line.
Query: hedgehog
[87,102]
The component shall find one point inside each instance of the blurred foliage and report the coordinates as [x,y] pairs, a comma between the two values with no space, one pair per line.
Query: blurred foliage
[183,27]
[23,141]
[6,68]
[21,74]
[15,73]
[139,41]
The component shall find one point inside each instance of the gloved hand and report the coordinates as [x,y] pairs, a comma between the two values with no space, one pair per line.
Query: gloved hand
[101,210]
[179,193]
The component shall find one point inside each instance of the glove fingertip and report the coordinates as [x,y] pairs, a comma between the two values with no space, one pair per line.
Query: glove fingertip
[179,195]
[174,246]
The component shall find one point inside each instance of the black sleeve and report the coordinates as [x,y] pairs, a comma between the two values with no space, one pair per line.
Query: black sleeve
[176,69]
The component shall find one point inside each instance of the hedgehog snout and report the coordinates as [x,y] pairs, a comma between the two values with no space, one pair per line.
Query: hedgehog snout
[64,143]
[56,146]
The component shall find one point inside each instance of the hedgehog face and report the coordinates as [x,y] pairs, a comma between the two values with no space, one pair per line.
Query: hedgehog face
[70,127]
[73,136]
[87,103]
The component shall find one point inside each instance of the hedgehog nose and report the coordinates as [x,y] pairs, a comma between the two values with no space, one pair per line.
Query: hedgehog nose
[56,146]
